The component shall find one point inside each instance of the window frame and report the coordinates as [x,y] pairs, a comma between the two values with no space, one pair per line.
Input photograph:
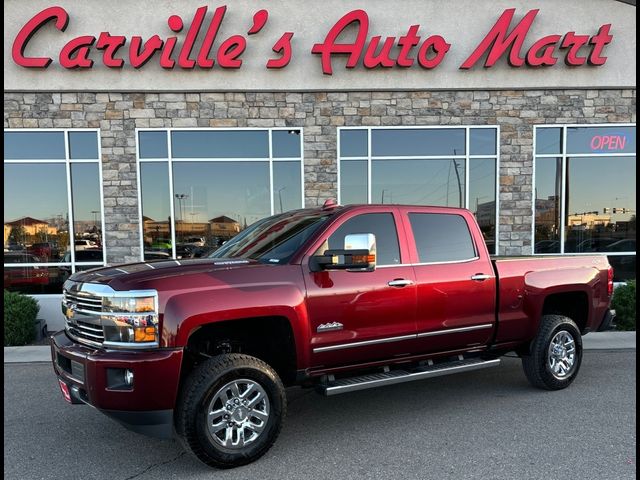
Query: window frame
[563,155]
[169,160]
[67,162]
[467,157]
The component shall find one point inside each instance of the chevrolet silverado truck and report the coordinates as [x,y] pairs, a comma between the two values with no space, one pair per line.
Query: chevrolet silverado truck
[339,298]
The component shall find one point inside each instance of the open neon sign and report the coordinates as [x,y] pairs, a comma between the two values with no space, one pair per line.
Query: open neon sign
[610,143]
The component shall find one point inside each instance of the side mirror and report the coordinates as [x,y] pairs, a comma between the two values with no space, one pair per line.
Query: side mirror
[359,254]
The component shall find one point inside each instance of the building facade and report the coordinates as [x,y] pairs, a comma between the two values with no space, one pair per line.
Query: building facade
[154,142]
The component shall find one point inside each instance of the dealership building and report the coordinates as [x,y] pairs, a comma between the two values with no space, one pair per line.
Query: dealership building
[146,130]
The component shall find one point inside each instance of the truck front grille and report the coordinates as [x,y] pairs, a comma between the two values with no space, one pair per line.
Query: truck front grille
[82,316]
[85,331]
[83,301]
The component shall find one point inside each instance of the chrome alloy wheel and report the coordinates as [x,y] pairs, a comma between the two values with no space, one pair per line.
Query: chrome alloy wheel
[561,355]
[238,413]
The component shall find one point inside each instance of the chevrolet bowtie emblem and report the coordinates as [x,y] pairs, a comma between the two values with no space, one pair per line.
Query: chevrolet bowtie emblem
[71,310]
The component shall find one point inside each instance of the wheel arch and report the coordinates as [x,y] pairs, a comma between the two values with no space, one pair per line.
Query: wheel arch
[269,338]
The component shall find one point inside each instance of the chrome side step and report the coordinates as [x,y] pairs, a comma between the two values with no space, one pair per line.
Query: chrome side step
[351,384]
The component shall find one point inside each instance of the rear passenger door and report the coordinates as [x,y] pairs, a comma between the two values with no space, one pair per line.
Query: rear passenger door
[455,280]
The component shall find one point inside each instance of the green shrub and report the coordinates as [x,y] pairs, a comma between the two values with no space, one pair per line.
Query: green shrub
[20,312]
[624,303]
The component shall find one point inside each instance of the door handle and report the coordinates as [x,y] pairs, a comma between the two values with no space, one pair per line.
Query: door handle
[480,277]
[400,282]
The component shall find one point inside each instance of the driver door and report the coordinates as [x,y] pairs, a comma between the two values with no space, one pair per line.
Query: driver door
[360,316]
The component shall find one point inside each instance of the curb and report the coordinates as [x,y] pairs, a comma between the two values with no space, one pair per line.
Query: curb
[610,341]
[592,341]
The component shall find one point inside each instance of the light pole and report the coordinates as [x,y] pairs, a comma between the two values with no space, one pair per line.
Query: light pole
[460,201]
[180,197]
[95,217]
[280,197]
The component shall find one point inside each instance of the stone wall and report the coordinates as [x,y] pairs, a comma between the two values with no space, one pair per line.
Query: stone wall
[320,113]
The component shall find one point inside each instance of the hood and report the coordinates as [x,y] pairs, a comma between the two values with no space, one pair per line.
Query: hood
[141,275]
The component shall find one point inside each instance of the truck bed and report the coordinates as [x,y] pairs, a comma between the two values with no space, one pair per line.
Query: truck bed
[525,283]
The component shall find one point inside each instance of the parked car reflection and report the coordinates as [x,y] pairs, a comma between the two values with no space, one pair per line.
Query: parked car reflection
[547,246]
[26,276]
[624,267]
[626,245]
[88,255]
[151,255]
[45,251]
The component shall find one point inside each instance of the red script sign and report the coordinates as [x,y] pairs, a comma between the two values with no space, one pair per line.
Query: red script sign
[412,49]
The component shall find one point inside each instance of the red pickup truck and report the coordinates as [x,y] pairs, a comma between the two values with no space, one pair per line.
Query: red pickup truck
[338,298]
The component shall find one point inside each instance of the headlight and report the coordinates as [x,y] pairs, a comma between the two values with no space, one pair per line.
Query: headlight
[130,320]
[128,304]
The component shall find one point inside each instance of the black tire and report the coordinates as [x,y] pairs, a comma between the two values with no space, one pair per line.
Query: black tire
[199,390]
[536,364]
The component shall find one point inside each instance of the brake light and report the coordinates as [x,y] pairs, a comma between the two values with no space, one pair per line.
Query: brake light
[610,281]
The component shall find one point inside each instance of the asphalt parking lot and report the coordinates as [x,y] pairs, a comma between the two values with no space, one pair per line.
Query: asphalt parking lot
[488,425]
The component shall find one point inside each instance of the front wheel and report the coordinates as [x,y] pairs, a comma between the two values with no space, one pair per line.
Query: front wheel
[231,410]
[556,354]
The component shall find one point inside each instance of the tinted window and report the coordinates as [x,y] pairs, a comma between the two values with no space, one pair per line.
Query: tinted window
[287,186]
[382,225]
[220,144]
[482,141]
[230,195]
[153,144]
[418,182]
[353,143]
[156,208]
[83,145]
[549,140]
[441,237]
[601,139]
[353,182]
[482,197]
[85,193]
[547,207]
[418,142]
[36,209]
[600,211]
[34,145]
[285,143]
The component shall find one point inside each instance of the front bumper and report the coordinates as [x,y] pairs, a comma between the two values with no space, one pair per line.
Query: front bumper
[146,407]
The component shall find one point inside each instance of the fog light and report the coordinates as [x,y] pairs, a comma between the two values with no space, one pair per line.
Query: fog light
[128,377]
[119,379]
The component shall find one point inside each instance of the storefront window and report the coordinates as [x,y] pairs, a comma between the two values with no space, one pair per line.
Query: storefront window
[441,166]
[52,207]
[214,184]
[585,193]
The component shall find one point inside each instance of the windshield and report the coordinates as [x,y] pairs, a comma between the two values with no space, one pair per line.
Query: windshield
[273,239]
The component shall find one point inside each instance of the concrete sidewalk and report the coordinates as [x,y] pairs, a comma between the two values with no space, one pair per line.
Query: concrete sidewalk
[592,341]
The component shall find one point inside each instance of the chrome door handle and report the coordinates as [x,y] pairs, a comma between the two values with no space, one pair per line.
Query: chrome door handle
[480,277]
[399,282]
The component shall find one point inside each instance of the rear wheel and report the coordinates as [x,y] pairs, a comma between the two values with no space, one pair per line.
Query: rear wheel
[230,410]
[556,354]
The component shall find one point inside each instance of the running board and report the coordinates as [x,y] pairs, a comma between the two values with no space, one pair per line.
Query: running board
[351,384]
